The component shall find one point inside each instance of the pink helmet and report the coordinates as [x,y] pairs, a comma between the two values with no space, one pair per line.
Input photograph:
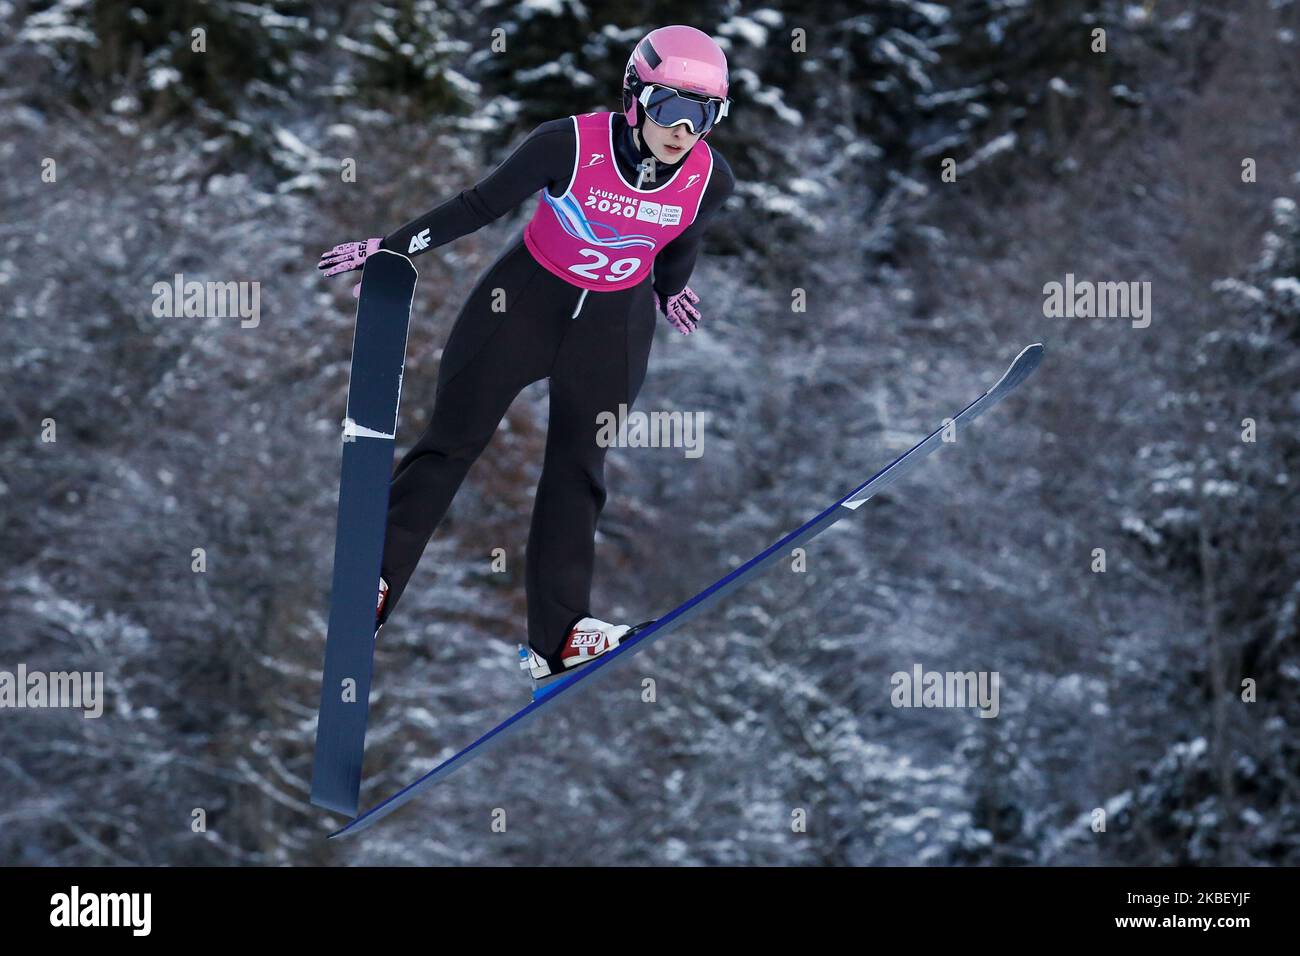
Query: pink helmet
[680,58]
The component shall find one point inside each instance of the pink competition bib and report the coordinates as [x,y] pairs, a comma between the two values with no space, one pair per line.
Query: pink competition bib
[603,233]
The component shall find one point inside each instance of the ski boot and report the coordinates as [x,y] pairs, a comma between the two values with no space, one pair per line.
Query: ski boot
[587,640]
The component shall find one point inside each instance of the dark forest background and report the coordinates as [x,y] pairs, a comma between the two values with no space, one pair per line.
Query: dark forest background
[1121,690]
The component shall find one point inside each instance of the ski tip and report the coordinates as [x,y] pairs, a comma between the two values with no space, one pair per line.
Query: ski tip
[1020,369]
[1030,353]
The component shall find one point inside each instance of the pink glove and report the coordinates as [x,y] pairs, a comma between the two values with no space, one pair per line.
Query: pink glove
[347,256]
[681,311]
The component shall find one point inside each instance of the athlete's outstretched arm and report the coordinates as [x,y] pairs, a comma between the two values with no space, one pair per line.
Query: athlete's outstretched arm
[544,158]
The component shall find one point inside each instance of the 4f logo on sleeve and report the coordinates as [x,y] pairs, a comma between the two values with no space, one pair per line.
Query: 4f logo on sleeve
[419,242]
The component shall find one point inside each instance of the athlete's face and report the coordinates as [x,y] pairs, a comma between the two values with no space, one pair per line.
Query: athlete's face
[668,145]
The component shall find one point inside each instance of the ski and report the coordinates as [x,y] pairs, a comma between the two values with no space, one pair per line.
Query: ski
[564,687]
[369,434]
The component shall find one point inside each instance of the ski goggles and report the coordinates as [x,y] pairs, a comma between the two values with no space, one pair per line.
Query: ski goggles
[668,107]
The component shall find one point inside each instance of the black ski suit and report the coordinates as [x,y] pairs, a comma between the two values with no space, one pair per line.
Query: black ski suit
[594,362]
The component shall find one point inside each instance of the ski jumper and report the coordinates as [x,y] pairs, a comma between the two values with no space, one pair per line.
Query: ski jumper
[594,230]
